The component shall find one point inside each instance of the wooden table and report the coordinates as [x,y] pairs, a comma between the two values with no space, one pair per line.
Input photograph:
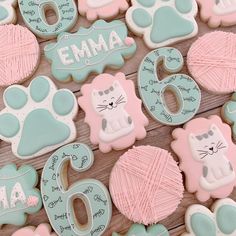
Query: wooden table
[158,135]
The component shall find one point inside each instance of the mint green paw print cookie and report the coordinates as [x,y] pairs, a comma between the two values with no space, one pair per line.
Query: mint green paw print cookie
[163,22]
[37,119]
[18,195]
[140,230]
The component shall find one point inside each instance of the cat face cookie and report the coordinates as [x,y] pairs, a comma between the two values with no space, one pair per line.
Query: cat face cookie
[208,157]
[113,112]
[7,12]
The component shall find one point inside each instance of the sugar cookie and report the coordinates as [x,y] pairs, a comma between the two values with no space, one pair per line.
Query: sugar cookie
[208,157]
[152,89]
[41,230]
[8,12]
[37,119]
[113,112]
[90,50]
[140,230]
[163,22]
[18,195]
[58,198]
[103,9]
[34,16]
[218,12]
[141,182]
[221,221]
[19,54]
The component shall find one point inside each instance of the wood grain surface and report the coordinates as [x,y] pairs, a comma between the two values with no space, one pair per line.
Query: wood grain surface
[158,135]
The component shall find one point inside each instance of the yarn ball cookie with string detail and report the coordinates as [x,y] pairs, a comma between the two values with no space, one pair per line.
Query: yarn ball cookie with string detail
[19,54]
[146,184]
[211,61]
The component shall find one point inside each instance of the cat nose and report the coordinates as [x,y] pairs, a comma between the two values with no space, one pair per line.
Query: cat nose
[111,104]
[211,148]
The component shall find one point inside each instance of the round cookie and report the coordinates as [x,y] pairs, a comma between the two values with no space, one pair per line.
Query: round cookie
[19,54]
[58,197]
[8,12]
[208,157]
[103,9]
[210,61]
[141,182]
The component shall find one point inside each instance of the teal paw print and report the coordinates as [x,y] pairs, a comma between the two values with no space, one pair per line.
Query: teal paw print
[220,222]
[163,22]
[37,119]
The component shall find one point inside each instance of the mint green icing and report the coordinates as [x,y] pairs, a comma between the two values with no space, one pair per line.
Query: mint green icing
[17,187]
[152,89]
[226,219]
[63,102]
[142,18]
[9,125]
[147,3]
[15,97]
[184,6]
[41,130]
[201,224]
[57,199]
[39,89]
[34,16]
[3,13]
[89,50]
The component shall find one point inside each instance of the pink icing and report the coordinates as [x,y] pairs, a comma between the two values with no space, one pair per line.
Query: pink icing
[32,201]
[192,168]
[129,41]
[104,12]
[41,230]
[19,54]
[132,108]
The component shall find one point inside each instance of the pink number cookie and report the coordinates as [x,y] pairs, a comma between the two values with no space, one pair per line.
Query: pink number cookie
[103,9]
[19,54]
[218,12]
[41,230]
[207,157]
[113,112]
[211,61]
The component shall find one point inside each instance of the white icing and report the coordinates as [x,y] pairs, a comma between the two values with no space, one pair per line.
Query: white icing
[97,47]
[114,39]
[224,7]
[17,194]
[98,3]
[210,148]
[3,197]
[63,53]
[81,53]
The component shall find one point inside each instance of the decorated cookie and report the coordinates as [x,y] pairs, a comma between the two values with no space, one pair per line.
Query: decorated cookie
[90,50]
[152,89]
[34,16]
[163,22]
[19,54]
[58,198]
[218,12]
[221,221]
[18,195]
[41,230]
[103,9]
[113,112]
[140,230]
[141,182]
[7,12]
[210,60]
[208,157]
[37,119]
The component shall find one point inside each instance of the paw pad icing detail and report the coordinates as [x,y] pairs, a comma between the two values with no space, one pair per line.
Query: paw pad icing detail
[37,119]
[17,190]
[221,221]
[162,22]
[90,50]
[208,157]
[7,11]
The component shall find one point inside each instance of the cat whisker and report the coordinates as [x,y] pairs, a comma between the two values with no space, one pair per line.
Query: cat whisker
[204,156]
[120,102]
[221,147]
[202,151]
[119,99]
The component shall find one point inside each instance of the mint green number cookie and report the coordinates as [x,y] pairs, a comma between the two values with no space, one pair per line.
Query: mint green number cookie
[18,195]
[152,89]
[37,119]
[58,198]
[90,50]
[34,16]
[140,230]
[163,22]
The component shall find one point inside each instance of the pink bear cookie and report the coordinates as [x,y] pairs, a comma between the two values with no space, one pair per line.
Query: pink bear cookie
[103,9]
[113,112]
[207,157]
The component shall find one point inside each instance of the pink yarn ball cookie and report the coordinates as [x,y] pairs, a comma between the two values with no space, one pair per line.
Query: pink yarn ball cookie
[211,61]
[19,54]
[146,184]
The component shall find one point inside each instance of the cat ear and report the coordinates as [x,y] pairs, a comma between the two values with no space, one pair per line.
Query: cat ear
[116,84]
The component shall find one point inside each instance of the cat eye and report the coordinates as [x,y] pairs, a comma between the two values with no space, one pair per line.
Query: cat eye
[104,101]
[206,146]
[112,98]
